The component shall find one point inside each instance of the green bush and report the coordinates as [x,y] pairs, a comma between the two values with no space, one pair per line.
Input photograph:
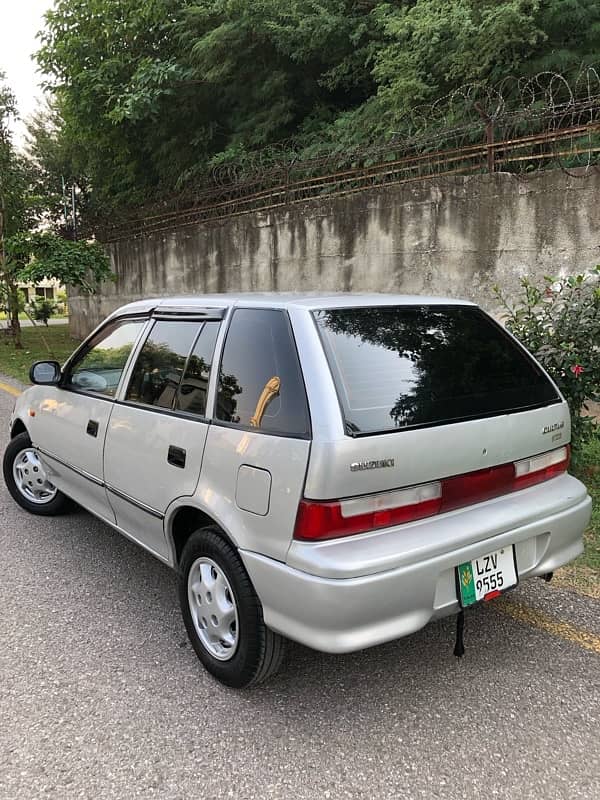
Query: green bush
[62,303]
[42,309]
[559,322]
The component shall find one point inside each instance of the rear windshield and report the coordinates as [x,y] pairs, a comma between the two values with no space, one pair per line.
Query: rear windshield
[398,367]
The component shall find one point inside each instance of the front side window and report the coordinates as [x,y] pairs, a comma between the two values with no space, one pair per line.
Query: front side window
[260,383]
[159,367]
[412,366]
[99,367]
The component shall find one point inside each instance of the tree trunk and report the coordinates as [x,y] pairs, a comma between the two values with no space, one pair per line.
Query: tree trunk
[13,304]
[12,291]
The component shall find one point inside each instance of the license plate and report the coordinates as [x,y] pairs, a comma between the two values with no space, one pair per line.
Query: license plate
[487,577]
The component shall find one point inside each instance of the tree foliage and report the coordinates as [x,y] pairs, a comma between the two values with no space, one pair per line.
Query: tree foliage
[29,250]
[39,255]
[150,93]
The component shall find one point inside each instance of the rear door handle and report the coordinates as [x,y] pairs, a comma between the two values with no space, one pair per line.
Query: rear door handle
[176,456]
[92,428]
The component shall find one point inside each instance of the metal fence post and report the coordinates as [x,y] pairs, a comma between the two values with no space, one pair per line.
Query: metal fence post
[489,135]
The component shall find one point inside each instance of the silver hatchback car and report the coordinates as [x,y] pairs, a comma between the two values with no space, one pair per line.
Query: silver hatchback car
[337,470]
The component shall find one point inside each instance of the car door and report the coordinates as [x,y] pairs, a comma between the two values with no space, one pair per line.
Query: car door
[72,418]
[157,432]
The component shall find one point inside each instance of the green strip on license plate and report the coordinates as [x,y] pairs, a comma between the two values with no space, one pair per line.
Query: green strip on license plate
[467,584]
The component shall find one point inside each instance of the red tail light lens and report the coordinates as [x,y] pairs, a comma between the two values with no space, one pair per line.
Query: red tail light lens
[318,520]
[475,487]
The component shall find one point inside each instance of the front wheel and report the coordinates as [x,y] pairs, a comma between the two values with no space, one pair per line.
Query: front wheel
[222,614]
[27,480]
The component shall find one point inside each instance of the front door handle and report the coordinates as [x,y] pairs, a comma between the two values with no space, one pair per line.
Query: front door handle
[92,428]
[176,456]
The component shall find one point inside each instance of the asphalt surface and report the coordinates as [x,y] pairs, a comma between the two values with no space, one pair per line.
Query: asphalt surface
[27,323]
[102,697]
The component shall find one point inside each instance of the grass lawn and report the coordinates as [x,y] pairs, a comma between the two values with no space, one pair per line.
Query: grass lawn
[584,573]
[39,343]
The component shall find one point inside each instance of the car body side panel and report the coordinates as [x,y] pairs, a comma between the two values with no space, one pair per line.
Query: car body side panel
[227,449]
[137,466]
[326,417]
[59,429]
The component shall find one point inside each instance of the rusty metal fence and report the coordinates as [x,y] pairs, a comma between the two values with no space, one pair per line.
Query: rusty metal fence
[544,122]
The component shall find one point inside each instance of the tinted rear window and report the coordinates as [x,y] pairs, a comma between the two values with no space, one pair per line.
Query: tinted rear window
[412,366]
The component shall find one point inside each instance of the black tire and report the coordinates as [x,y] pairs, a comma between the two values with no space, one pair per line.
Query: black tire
[259,651]
[57,505]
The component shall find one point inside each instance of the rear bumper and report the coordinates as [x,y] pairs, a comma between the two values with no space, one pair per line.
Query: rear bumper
[340,615]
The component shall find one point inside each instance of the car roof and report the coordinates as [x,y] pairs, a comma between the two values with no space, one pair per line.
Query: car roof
[306,300]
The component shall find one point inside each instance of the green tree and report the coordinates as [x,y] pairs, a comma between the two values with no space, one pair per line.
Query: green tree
[17,206]
[152,92]
[26,252]
[428,49]
[56,159]
[39,255]
[149,94]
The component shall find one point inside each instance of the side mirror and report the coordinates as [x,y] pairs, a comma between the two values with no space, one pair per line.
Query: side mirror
[45,373]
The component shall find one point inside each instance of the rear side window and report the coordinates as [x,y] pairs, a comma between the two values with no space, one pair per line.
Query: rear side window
[413,366]
[159,366]
[260,384]
[191,396]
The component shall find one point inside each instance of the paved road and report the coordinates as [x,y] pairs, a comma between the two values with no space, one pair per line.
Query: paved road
[101,697]
[26,323]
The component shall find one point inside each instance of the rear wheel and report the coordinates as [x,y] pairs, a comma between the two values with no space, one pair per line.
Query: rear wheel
[27,480]
[222,614]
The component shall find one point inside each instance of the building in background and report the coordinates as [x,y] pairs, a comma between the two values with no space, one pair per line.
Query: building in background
[48,289]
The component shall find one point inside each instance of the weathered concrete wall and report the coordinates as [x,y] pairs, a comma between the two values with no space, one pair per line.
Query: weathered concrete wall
[458,238]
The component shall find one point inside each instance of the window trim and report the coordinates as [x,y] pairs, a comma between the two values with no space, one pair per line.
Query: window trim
[85,347]
[220,346]
[161,410]
[234,426]
[189,313]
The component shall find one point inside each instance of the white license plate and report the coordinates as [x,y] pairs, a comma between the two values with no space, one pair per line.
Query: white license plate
[486,577]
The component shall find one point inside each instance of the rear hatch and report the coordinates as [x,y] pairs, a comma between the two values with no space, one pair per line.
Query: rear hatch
[428,393]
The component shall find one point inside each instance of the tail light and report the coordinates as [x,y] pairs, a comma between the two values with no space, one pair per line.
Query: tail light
[541,468]
[318,520]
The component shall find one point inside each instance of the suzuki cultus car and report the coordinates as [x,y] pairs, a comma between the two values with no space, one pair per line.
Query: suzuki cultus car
[336,470]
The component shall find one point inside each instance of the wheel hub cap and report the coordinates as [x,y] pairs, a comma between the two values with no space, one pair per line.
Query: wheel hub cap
[213,608]
[31,478]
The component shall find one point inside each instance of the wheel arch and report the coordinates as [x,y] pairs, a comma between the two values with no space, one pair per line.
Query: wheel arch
[18,427]
[184,520]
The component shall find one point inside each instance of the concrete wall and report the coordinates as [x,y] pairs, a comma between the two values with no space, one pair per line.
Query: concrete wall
[458,238]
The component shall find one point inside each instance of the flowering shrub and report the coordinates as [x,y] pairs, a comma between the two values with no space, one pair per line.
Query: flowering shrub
[559,322]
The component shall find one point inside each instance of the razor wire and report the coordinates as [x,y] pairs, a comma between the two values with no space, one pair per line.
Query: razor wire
[520,126]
